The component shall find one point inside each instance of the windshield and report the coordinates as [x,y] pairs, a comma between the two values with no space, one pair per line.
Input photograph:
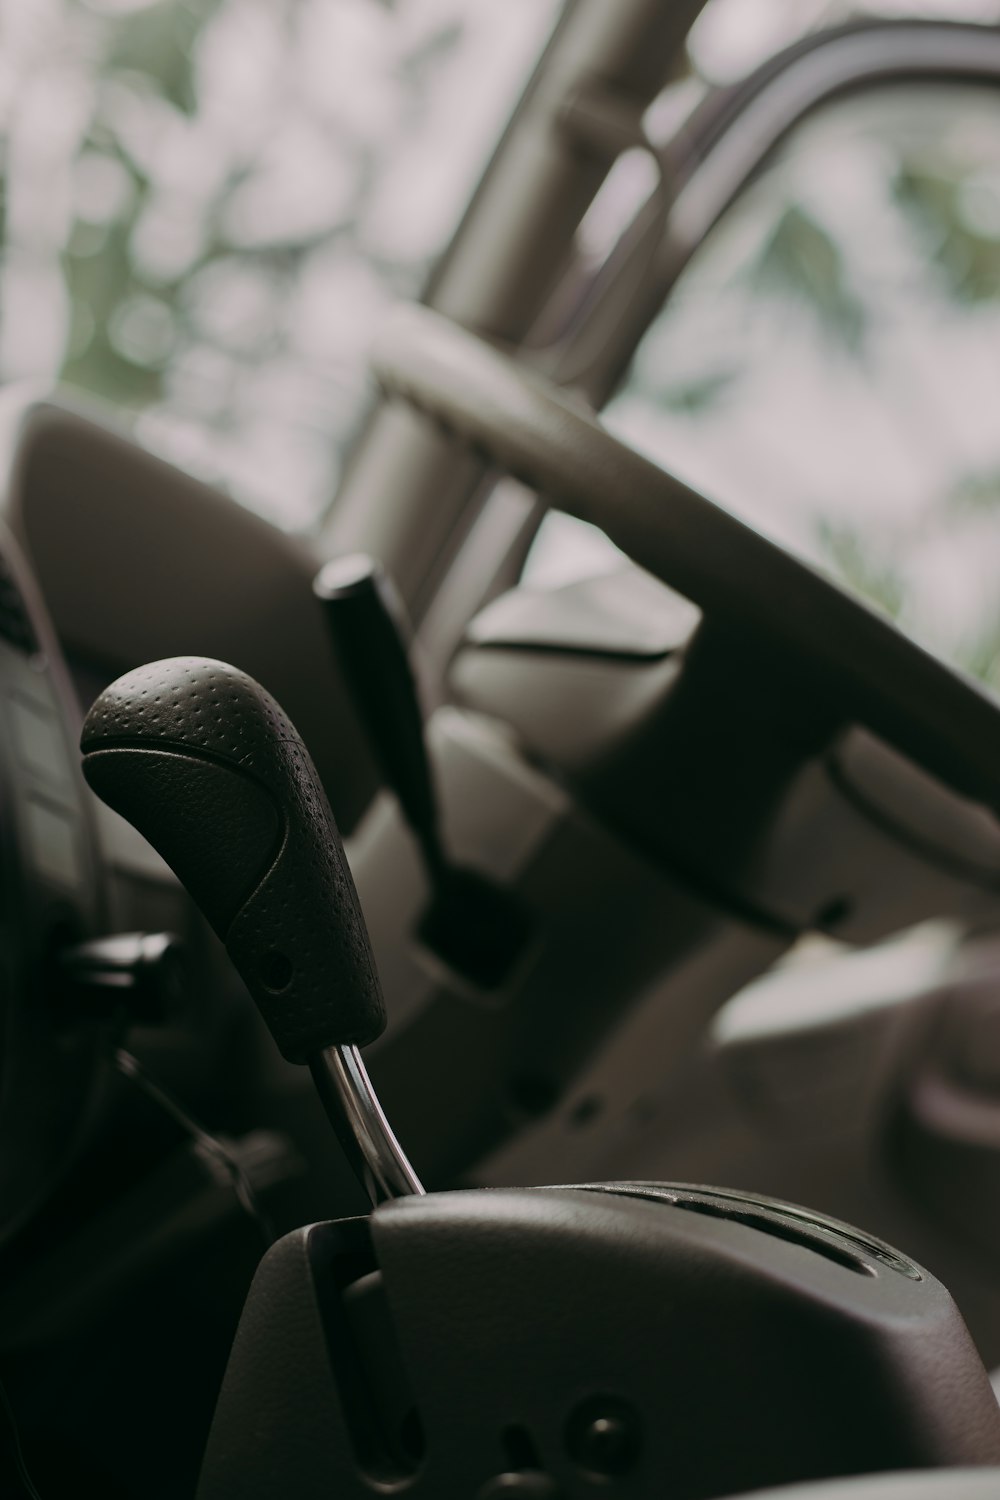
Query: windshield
[827,366]
[209,204]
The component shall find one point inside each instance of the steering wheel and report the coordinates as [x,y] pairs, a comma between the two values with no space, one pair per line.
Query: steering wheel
[848,659]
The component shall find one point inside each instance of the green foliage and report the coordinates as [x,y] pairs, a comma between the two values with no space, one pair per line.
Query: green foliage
[224,218]
[157,43]
[975,493]
[850,559]
[967,259]
[699,394]
[802,262]
[151,51]
[981,656]
[98,285]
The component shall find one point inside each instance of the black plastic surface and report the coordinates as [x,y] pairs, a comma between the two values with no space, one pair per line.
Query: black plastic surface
[479,929]
[365,617]
[206,765]
[600,1342]
[720,766]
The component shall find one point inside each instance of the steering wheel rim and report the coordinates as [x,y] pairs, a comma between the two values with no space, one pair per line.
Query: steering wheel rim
[856,658]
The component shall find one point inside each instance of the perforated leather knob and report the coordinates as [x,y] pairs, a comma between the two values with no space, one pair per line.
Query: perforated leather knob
[205,764]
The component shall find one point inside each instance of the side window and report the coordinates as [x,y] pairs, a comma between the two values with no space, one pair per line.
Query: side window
[828,365]
[208,203]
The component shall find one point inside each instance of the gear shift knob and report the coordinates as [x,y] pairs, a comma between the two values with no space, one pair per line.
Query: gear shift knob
[203,762]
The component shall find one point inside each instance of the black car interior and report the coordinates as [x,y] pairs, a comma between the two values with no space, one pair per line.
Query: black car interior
[578,1223]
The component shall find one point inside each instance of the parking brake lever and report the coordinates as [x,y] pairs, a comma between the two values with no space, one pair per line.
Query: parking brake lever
[365,617]
[203,762]
[479,929]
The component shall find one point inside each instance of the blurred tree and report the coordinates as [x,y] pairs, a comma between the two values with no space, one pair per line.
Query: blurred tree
[158,43]
[803,263]
[850,557]
[974,493]
[935,198]
[227,211]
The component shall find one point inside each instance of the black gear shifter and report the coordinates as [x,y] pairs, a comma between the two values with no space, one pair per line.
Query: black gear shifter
[208,768]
